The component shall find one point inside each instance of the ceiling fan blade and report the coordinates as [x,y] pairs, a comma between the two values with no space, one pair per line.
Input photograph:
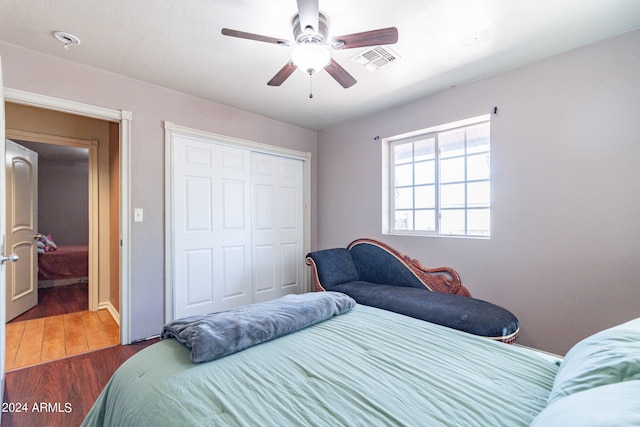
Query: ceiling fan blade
[341,75]
[367,38]
[308,12]
[256,37]
[283,74]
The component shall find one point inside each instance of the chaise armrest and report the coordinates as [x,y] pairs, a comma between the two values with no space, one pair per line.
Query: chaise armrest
[331,267]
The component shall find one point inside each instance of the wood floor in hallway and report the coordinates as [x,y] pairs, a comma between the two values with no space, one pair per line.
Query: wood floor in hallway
[36,341]
[58,300]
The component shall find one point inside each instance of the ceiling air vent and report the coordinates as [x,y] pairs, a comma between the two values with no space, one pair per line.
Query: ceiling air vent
[375,57]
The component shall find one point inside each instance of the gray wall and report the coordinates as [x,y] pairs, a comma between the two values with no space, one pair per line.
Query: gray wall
[151,105]
[565,201]
[63,200]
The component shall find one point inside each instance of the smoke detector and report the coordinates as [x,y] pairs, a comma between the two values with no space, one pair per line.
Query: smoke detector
[375,57]
[66,38]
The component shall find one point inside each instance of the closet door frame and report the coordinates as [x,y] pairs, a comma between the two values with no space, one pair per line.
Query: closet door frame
[171,129]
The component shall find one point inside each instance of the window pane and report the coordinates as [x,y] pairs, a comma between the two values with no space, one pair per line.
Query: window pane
[426,220]
[452,222]
[425,149]
[403,220]
[403,175]
[404,198]
[425,172]
[441,182]
[451,143]
[452,170]
[479,222]
[402,153]
[478,138]
[452,196]
[478,194]
[425,197]
[478,166]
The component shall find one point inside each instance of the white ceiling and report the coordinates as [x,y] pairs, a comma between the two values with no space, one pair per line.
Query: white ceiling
[442,43]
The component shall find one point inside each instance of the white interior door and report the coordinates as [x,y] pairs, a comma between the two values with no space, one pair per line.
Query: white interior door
[21,169]
[212,227]
[278,231]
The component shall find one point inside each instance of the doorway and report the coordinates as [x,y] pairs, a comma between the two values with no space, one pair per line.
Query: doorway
[85,315]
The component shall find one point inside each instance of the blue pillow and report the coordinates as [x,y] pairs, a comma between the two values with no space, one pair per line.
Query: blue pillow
[611,405]
[608,357]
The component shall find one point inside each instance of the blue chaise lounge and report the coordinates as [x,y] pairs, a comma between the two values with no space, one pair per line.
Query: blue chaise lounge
[377,275]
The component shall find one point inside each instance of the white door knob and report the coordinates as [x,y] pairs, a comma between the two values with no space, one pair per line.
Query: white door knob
[8,258]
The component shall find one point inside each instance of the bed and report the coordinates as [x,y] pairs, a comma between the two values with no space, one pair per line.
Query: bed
[68,263]
[365,367]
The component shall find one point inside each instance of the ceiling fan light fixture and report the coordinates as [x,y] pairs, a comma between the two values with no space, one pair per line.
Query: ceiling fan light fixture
[310,57]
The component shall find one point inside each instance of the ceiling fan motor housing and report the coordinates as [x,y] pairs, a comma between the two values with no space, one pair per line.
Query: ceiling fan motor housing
[318,36]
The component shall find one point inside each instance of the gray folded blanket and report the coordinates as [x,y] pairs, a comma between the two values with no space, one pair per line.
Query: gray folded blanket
[216,335]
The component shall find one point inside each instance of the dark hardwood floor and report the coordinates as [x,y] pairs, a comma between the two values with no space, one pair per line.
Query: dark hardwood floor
[66,389]
[58,300]
[60,393]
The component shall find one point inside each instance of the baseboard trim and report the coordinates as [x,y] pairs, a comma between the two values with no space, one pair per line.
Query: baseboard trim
[111,309]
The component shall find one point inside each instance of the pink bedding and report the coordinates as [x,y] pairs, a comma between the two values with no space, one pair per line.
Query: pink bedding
[66,262]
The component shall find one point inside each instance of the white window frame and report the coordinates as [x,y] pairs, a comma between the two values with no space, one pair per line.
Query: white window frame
[389,198]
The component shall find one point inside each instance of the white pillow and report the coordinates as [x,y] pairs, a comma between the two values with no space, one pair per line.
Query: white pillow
[608,357]
[612,405]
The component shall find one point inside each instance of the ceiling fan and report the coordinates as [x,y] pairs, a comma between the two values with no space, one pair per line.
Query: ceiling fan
[310,30]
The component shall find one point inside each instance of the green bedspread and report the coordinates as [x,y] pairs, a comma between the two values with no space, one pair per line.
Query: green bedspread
[368,367]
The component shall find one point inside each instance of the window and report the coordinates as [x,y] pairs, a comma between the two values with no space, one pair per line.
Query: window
[440,181]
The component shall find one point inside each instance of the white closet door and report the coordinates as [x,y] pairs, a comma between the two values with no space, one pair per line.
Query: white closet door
[277,217]
[212,227]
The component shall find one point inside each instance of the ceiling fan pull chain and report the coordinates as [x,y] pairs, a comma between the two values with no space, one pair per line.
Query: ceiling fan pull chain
[310,84]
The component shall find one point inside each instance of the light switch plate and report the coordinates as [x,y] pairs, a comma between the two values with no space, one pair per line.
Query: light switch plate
[138,215]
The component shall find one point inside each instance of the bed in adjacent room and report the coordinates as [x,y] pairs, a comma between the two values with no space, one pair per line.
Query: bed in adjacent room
[65,265]
[365,367]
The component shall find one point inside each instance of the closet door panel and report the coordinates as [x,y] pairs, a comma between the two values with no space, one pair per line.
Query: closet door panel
[290,260]
[212,233]
[263,200]
[232,227]
[198,269]
[264,274]
[277,216]
[197,195]
[235,282]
